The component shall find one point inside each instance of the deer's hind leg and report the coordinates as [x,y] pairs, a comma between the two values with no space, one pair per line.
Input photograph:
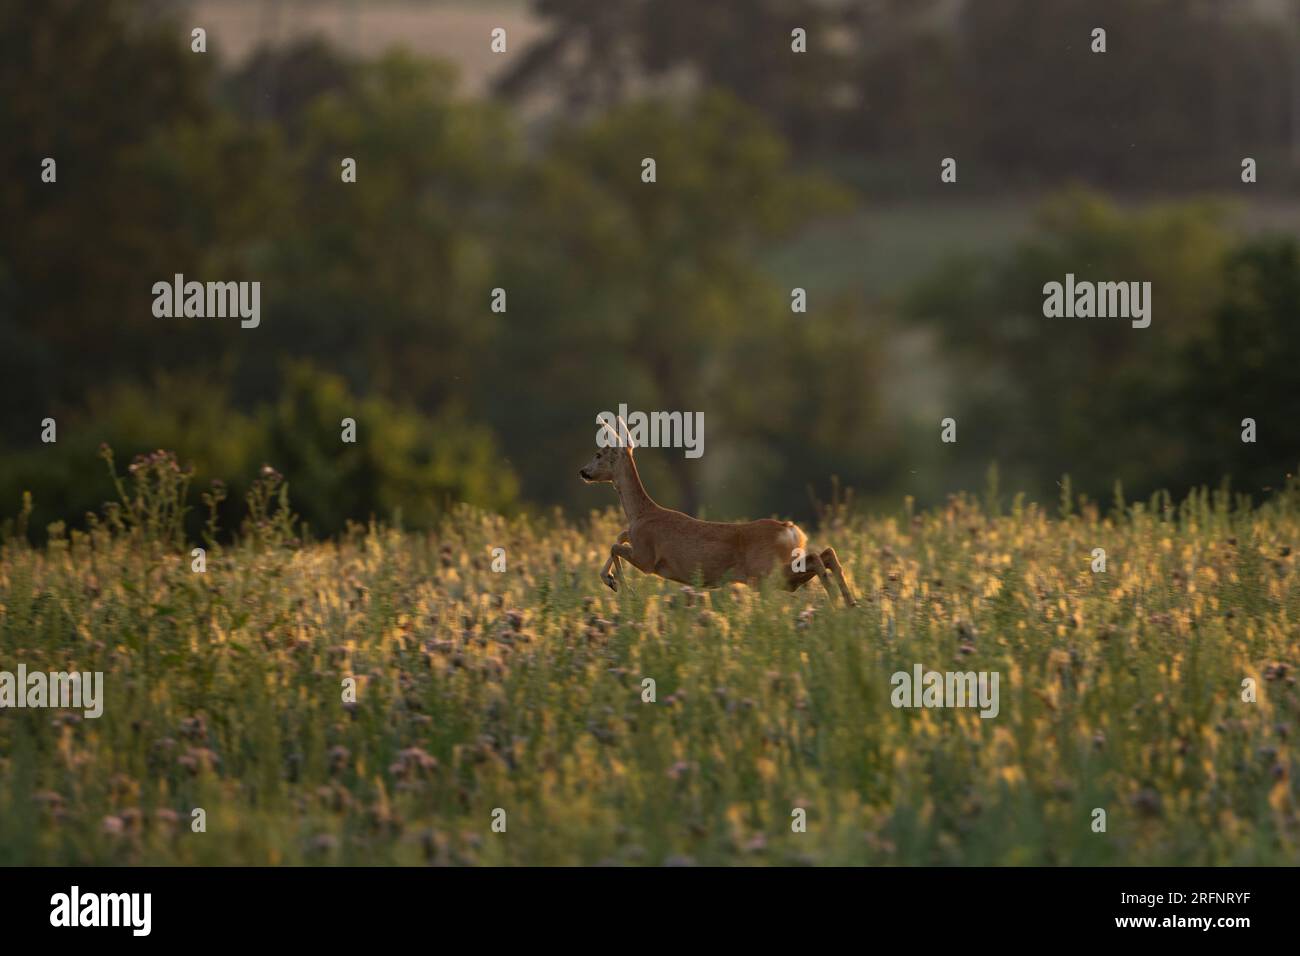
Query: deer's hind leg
[814,567]
[831,560]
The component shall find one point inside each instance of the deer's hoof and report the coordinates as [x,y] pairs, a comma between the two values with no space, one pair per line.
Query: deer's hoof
[610,582]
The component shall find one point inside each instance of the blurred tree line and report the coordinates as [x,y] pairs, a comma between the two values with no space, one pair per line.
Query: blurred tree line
[376,296]
[1160,407]
[1013,87]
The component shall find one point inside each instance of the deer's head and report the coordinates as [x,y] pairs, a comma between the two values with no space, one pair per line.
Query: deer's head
[614,448]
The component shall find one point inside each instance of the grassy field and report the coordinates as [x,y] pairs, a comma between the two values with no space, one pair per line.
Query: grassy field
[879,250]
[522,690]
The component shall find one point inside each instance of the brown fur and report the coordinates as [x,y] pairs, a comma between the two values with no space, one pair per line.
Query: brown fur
[676,546]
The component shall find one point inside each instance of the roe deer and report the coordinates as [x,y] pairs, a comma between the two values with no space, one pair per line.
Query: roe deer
[676,546]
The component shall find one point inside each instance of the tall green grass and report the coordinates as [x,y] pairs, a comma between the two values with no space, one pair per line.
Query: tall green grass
[522,690]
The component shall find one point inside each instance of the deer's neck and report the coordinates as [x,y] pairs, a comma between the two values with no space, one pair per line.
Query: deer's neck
[631,493]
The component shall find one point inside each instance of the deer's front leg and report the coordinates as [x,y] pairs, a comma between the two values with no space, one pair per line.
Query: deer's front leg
[614,563]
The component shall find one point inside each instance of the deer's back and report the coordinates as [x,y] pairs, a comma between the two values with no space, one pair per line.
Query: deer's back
[684,547]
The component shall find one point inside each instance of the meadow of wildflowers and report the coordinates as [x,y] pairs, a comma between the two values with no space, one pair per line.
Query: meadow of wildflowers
[1160,690]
